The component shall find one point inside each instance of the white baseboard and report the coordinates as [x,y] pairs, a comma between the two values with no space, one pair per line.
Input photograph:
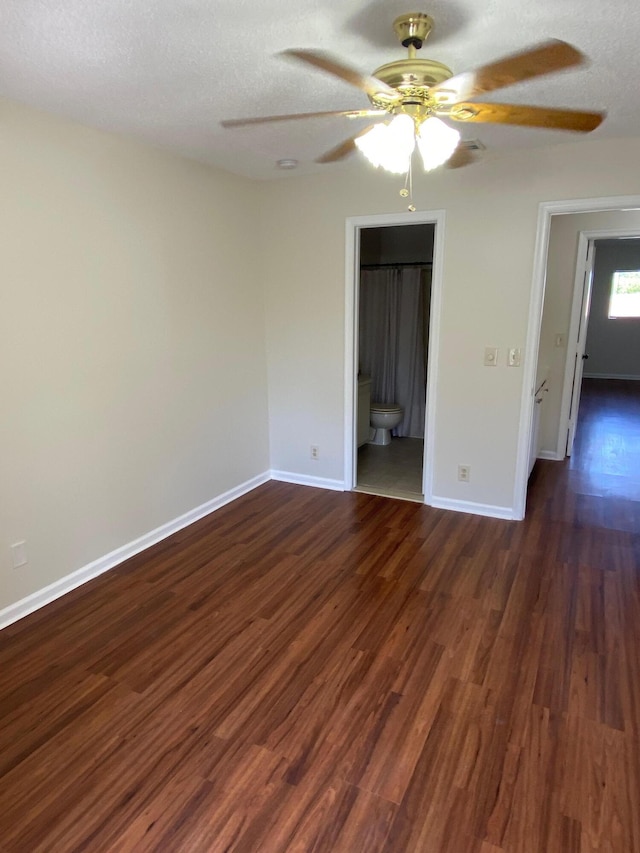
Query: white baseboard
[550,454]
[505,512]
[627,376]
[305,480]
[60,587]
[69,582]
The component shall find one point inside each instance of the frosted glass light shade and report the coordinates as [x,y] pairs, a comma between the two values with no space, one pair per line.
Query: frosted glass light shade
[436,142]
[390,145]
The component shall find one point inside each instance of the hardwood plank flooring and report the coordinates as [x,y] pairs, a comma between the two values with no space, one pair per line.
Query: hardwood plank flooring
[314,671]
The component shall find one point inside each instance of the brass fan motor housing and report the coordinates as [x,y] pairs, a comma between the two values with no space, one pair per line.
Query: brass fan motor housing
[411,77]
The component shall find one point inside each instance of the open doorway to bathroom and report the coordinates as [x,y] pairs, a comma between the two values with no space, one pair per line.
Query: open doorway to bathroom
[394,301]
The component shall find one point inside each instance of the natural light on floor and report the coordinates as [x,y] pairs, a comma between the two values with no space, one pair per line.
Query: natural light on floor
[625,294]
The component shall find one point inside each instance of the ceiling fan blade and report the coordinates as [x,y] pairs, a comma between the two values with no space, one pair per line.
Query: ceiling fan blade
[545,58]
[242,122]
[339,152]
[526,116]
[371,85]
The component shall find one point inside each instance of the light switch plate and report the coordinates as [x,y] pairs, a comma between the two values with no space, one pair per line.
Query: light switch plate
[19,554]
[490,356]
[514,357]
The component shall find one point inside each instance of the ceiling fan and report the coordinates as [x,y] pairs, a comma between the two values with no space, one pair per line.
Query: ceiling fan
[416,93]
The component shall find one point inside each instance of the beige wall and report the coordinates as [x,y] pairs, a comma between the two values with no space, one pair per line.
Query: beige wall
[132,333]
[132,356]
[491,215]
[556,317]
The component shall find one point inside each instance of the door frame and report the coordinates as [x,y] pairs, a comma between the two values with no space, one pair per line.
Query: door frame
[546,210]
[354,224]
[576,342]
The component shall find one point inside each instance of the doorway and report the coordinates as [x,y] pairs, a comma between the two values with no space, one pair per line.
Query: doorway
[590,341]
[608,345]
[552,335]
[384,253]
[393,336]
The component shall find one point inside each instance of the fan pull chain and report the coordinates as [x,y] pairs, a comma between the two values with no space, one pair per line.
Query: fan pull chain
[407,190]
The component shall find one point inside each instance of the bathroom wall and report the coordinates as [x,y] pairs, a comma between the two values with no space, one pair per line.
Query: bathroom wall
[397,244]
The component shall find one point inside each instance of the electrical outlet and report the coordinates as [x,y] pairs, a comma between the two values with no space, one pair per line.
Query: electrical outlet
[464,473]
[315,451]
[19,554]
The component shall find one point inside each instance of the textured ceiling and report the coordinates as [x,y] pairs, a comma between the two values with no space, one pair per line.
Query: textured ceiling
[167,71]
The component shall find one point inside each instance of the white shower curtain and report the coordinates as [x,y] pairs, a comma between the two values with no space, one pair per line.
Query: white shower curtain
[393,337]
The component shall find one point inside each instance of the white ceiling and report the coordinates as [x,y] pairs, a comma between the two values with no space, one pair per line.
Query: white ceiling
[167,71]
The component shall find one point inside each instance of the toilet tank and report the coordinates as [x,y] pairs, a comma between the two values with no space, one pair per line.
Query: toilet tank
[364,405]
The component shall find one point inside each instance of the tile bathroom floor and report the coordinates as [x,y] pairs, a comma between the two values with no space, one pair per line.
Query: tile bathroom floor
[394,471]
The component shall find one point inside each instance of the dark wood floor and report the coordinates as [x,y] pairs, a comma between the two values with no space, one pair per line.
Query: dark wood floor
[313,671]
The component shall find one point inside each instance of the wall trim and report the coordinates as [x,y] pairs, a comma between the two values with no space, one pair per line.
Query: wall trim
[505,512]
[551,455]
[69,582]
[307,480]
[625,376]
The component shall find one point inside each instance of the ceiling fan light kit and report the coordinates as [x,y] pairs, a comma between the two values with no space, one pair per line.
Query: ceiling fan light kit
[414,95]
[391,145]
[436,142]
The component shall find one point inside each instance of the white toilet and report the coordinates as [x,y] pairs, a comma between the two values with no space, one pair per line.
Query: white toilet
[384,417]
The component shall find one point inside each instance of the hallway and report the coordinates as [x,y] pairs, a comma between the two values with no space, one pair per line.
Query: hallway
[600,483]
[606,458]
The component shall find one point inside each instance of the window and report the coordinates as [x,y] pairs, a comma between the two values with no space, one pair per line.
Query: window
[625,294]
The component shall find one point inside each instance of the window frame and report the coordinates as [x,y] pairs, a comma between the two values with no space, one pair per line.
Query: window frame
[613,294]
